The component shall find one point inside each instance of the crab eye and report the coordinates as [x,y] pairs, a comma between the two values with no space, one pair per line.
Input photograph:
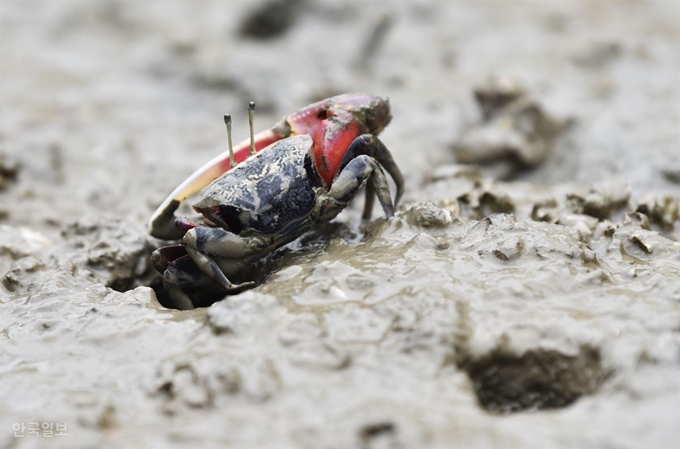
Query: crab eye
[322,114]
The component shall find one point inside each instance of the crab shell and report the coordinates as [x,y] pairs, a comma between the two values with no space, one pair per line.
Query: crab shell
[272,192]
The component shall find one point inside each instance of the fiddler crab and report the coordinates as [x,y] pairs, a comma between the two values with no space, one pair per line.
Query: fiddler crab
[272,188]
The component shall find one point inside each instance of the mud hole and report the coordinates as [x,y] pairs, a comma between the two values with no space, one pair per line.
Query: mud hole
[527,293]
[538,379]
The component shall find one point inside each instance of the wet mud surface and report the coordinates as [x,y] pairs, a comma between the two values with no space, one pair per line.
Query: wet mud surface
[527,293]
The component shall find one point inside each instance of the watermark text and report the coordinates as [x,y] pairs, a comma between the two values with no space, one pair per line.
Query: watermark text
[40,429]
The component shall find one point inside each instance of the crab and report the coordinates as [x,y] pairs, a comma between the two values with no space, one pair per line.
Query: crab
[279,184]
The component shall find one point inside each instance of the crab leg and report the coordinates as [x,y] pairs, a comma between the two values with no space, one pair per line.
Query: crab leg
[384,158]
[369,200]
[202,242]
[371,146]
[354,175]
[183,273]
[209,267]
[163,257]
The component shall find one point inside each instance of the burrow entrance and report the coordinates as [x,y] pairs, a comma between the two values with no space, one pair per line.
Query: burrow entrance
[538,379]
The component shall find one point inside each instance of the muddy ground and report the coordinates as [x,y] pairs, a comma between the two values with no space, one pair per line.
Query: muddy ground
[527,295]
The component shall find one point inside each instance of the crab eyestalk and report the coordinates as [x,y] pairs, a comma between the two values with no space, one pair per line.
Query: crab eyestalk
[227,121]
[251,113]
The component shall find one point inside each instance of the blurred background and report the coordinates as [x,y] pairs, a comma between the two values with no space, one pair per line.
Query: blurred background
[106,106]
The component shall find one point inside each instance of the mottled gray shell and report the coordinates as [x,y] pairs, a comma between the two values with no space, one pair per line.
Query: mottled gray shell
[267,192]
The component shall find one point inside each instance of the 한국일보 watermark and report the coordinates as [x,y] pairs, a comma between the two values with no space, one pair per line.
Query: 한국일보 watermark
[44,429]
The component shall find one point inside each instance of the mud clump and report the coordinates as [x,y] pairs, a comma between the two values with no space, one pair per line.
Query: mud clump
[16,276]
[115,252]
[9,168]
[514,127]
[537,379]
[601,201]
[427,215]
[598,55]
[484,199]
[371,434]
[487,203]
[271,19]
[672,173]
[630,242]
[663,212]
